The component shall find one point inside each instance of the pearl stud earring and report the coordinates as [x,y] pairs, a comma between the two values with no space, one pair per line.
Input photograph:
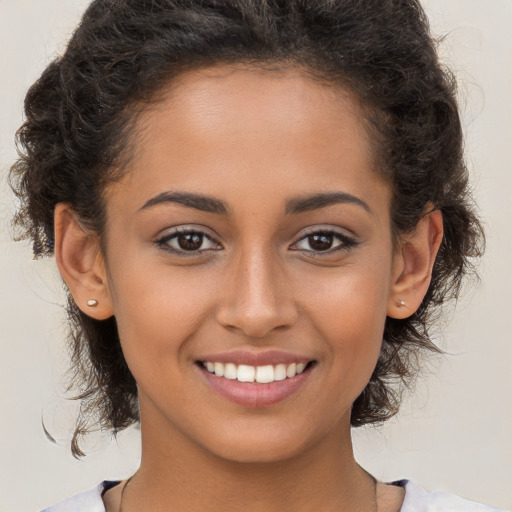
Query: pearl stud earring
[92,303]
[401,303]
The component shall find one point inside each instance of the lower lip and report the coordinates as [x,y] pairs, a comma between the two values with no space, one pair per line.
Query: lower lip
[253,394]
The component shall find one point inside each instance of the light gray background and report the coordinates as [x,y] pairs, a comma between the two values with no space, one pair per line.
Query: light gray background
[454,431]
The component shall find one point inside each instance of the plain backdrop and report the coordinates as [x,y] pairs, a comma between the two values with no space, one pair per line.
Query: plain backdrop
[454,432]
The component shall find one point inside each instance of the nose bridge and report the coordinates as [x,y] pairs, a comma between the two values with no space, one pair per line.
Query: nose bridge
[258,286]
[258,299]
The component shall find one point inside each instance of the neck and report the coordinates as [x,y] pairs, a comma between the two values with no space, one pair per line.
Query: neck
[177,472]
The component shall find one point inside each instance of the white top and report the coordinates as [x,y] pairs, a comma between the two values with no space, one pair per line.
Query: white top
[417,499]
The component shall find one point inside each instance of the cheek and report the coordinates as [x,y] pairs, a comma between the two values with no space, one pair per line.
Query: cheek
[156,307]
[349,313]
[350,301]
[157,317]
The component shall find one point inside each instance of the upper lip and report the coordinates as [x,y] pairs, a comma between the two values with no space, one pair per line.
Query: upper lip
[255,358]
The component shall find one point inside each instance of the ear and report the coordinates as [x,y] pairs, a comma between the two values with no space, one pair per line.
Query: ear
[81,264]
[412,266]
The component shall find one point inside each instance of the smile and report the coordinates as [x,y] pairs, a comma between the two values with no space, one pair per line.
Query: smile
[259,374]
[256,380]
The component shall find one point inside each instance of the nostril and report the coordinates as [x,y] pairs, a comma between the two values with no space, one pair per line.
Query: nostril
[256,317]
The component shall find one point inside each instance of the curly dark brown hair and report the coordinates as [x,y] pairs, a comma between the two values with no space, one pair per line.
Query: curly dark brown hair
[81,112]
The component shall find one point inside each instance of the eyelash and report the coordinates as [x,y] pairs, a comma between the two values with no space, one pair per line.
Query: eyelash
[163,242]
[346,242]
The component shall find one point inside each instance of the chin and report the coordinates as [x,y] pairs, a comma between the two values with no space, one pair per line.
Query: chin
[260,444]
[265,452]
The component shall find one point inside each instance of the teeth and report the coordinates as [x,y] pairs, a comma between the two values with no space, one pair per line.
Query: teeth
[261,374]
[291,371]
[219,369]
[245,373]
[265,374]
[230,371]
[280,372]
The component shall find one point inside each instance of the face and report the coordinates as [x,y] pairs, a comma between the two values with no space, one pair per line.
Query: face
[250,237]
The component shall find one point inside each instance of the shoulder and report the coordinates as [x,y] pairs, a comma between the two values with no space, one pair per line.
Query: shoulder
[88,501]
[417,499]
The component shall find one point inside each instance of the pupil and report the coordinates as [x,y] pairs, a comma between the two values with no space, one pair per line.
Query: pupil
[320,242]
[190,241]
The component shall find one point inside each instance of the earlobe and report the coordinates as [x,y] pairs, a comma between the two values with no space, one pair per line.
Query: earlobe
[81,264]
[412,269]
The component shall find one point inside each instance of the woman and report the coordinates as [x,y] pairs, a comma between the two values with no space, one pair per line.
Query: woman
[257,208]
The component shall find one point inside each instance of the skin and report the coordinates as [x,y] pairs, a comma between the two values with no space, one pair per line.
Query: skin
[253,139]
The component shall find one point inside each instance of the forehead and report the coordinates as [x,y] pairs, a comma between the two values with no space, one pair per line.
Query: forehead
[215,98]
[216,128]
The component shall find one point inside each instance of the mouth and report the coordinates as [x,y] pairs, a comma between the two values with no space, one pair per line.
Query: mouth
[260,385]
[264,374]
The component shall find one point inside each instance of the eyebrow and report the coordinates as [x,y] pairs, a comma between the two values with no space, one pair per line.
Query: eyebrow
[293,206]
[197,201]
[321,200]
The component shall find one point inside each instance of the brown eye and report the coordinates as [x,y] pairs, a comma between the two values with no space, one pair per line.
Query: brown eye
[187,242]
[190,241]
[325,241]
[321,242]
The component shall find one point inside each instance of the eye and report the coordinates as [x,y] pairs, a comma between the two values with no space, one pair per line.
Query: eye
[185,240]
[325,241]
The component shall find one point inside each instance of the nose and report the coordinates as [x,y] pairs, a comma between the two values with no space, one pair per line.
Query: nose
[257,298]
